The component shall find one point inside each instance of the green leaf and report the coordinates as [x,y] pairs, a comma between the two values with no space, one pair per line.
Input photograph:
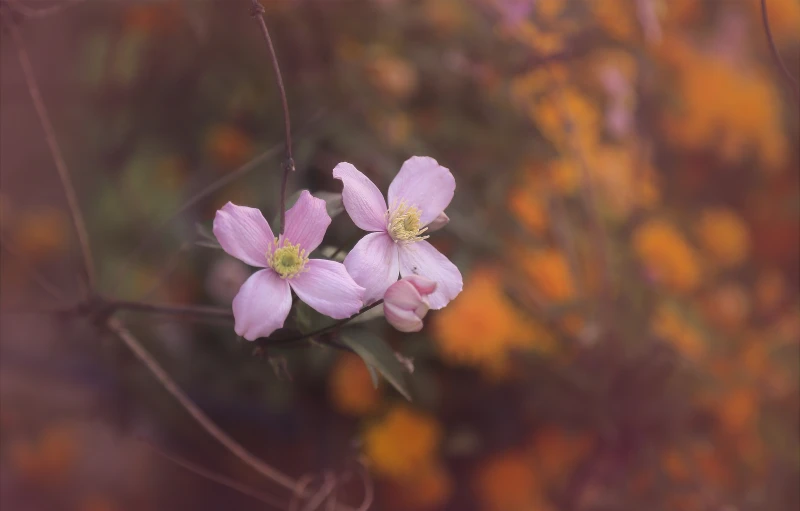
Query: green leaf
[373,374]
[378,354]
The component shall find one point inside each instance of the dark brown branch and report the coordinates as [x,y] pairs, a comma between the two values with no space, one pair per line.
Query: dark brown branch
[200,311]
[197,414]
[204,312]
[773,48]
[55,152]
[200,417]
[323,330]
[257,11]
[266,498]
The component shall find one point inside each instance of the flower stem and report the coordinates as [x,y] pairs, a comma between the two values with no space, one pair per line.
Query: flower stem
[774,50]
[57,155]
[257,11]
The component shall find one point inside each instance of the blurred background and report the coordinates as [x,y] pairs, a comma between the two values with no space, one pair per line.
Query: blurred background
[626,219]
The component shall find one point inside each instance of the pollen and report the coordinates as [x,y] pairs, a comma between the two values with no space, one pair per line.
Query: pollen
[404,224]
[287,260]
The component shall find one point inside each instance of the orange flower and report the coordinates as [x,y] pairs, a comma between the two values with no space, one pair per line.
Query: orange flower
[228,146]
[550,273]
[507,482]
[565,106]
[743,115]
[669,325]
[724,236]
[557,452]
[50,458]
[528,204]
[350,386]
[482,326]
[429,488]
[738,408]
[728,306]
[393,75]
[667,255]
[401,442]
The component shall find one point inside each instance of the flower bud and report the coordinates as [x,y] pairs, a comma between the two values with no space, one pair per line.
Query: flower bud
[404,303]
[438,222]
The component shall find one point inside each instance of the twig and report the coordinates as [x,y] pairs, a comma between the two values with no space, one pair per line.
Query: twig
[212,187]
[774,50]
[257,11]
[328,487]
[35,275]
[266,498]
[55,152]
[202,311]
[326,329]
[199,416]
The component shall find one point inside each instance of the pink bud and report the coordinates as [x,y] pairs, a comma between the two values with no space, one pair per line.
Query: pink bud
[438,222]
[404,303]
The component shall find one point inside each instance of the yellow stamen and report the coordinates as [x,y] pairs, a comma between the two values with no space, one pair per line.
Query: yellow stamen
[404,224]
[288,260]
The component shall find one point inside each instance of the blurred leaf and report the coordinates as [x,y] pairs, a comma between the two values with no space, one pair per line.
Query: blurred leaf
[377,353]
[373,375]
[333,202]
[130,50]
[307,319]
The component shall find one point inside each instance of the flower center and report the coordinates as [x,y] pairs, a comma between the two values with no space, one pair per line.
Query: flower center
[287,260]
[404,224]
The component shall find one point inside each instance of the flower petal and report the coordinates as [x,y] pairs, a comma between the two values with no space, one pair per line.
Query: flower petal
[262,304]
[243,233]
[438,222]
[421,258]
[328,289]
[306,222]
[362,199]
[373,264]
[423,183]
[402,319]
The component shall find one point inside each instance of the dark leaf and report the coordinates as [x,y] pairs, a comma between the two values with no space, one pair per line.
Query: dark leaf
[377,353]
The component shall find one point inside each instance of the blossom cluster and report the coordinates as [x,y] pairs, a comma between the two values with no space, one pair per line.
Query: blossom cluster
[395,246]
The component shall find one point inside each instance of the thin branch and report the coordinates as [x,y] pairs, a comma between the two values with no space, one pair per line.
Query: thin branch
[212,187]
[35,275]
[773,48]
[266,498]
[206,312]
[199,416]
[55,152]
[257,11]
[323,330]
[201,311]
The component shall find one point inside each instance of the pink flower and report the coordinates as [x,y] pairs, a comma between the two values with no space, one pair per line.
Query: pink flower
[417,198]
[264,300]
[404,303]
